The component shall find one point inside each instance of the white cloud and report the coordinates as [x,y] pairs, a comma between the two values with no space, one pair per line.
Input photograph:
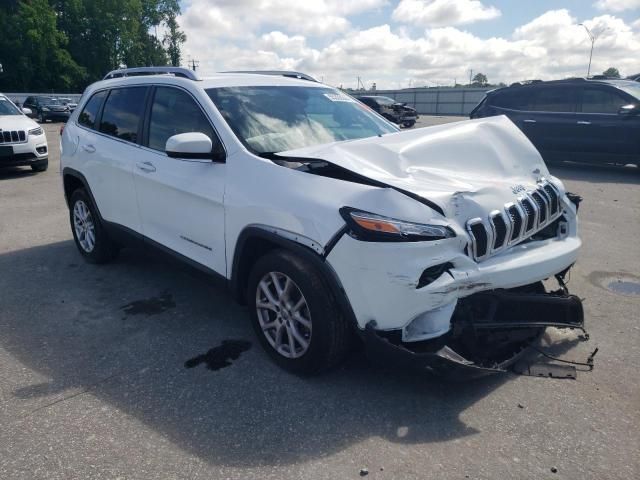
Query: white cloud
[617,5]
[438,13]
[552,45]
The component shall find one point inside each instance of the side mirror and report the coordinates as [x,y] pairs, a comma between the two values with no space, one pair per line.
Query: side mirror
[26,111]
[191,145]
[630,109]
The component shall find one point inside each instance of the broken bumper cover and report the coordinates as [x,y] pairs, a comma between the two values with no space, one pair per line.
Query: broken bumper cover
[521,315]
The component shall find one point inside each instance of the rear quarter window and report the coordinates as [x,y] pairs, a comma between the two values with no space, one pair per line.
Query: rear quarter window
[89,115]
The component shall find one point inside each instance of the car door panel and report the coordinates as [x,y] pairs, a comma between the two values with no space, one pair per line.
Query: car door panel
[111,153]
[181,200]
[607,135]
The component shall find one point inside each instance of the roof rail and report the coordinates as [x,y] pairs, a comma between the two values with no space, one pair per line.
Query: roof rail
[282,73]
[141,71]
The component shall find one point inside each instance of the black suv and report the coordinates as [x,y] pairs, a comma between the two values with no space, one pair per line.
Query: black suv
[574,119]
[47,108]
[391,110]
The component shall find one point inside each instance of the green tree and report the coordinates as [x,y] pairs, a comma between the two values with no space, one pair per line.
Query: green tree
[173,40]
[479,80]
[611,72]
[32,50]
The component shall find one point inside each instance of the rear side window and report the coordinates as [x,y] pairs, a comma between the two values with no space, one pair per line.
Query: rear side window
[601,100]
[554,99]
[122,113]
[89,114]
[516,99]
[173,112]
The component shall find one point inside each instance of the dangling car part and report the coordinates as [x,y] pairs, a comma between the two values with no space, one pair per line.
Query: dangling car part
[490,331]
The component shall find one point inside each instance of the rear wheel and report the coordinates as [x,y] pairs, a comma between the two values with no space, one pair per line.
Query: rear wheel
[92,240]
[294,314]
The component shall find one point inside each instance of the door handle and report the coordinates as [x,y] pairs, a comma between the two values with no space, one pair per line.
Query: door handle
[147,167]
[582,122]
[89,148]
[528,120]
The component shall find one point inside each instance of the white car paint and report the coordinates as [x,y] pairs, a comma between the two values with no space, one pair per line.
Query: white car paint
[466,169]
[32,142]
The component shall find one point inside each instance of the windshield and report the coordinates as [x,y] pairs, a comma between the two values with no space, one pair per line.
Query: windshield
[8,108]
[632,90]
[272,119]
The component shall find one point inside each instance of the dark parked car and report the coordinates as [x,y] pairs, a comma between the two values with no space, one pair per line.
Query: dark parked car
[47,108]
[574,119]
[635,78]
[394,111]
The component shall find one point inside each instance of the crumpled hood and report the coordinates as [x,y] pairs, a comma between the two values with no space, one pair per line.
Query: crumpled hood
[16,122]
[486,161]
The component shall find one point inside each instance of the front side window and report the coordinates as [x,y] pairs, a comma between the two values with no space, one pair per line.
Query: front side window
[122,113]
[270,119]
[601,100]
[515,99]
[554,99]
[89,114]
[8,108]
[174,112]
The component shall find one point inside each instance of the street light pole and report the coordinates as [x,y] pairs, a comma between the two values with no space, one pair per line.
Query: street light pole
[592,37]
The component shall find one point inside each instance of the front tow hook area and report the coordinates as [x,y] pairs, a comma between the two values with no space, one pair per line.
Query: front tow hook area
[490,332]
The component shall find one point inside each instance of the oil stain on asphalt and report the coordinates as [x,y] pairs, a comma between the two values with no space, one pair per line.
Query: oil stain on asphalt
[150,306]
[221,356]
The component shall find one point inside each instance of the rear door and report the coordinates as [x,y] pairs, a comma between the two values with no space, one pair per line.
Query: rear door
[606,135]
[110,149]
[550,120]
[181,200]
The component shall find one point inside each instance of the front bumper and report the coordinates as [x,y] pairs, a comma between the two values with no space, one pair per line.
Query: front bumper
[33,151]
[491,332]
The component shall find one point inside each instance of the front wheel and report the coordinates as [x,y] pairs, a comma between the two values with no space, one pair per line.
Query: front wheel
[88,232]
[295,315]
[409,124]
[40,166]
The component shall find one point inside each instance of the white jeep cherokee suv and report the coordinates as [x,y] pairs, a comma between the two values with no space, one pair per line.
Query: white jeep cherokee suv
[22,141]
[428,245]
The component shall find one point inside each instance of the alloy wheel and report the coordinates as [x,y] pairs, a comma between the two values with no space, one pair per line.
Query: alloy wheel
[84,226]
[283,314]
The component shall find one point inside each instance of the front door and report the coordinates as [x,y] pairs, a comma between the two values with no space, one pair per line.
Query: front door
[550,121]
[607,135]
[181,200]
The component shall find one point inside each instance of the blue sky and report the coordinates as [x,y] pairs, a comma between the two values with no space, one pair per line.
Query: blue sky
[399,42]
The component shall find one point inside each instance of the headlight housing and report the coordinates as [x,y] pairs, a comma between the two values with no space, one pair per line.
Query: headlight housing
[45,109]
[371,227]
[36,132]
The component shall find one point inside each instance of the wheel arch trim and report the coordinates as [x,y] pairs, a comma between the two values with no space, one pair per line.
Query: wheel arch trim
[311,252]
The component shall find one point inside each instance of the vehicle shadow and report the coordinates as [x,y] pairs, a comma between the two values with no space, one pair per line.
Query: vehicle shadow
[10,173]
[79,330]
[596,173]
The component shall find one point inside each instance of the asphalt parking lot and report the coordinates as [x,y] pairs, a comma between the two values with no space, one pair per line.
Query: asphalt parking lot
[93,383]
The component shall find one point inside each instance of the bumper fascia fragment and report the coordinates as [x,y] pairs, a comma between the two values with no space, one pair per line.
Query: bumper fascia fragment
[503,311]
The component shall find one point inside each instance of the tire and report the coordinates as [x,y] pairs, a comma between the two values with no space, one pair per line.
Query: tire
[327,334]
[40,166]
[91,238]
[409,124]
[40,118]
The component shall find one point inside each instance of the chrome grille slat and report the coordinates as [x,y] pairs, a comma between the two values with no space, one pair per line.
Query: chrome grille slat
[517,221]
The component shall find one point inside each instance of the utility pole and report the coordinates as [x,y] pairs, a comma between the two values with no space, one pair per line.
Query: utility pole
[470,76]
[592,37]
[192,63]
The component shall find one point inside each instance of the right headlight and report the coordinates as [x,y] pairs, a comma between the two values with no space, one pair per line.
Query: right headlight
[36,131]
[45,109]
[371,227]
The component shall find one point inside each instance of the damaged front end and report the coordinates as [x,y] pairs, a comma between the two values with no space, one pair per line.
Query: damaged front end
[490,331]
